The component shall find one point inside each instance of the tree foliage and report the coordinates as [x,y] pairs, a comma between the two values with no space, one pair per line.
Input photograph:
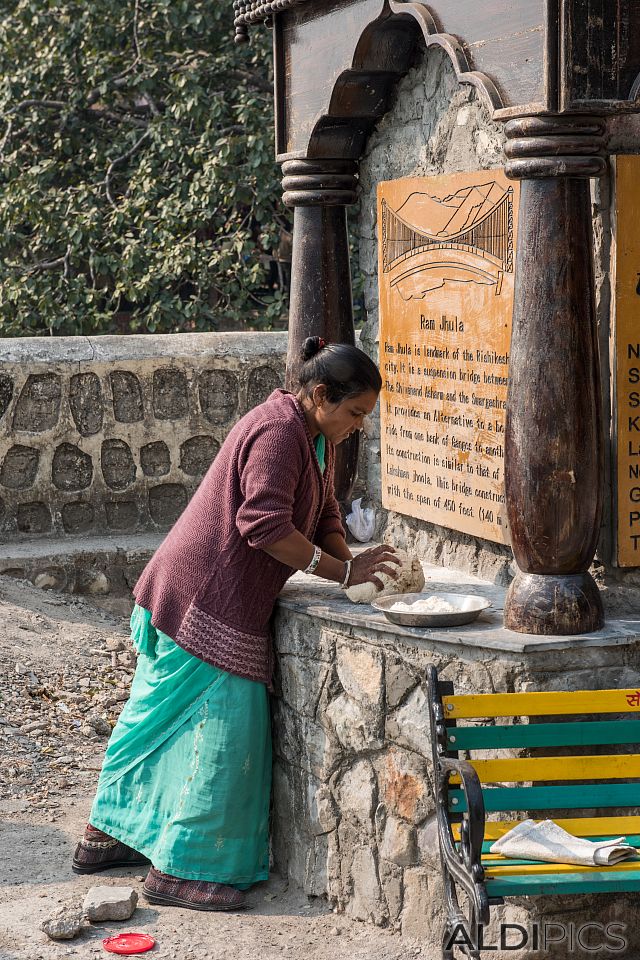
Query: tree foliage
[138,189]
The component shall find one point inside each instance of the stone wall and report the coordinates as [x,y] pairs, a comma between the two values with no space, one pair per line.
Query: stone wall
[353,808]
[105,435]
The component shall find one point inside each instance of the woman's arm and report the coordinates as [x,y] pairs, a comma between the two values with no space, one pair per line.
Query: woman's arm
[296,551]
[336,545]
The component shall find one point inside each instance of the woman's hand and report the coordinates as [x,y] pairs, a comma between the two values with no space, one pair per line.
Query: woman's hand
[380,559]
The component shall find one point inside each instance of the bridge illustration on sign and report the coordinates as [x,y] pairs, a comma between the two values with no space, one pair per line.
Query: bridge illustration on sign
[465,237]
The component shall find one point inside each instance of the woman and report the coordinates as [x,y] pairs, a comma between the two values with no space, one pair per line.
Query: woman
[187,772]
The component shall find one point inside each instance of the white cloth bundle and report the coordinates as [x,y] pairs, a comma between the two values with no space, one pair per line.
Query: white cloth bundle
[548,841]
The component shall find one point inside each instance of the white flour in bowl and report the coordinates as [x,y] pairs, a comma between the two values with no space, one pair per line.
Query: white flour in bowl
[425,605]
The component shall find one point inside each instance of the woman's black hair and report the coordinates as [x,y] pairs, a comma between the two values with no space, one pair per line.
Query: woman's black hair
[345,370]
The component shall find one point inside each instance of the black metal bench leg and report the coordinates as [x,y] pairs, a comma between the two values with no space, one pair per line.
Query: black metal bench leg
[456,923]
[447,951]
[473,928]
[453,914]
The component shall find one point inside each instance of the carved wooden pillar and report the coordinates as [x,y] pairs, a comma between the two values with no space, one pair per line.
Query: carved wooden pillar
[554,441]
[321,300]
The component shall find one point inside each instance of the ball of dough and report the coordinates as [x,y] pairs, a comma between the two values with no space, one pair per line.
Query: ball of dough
[410,580]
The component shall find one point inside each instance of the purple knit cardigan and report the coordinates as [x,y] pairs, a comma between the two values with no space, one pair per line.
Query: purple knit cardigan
[209,585]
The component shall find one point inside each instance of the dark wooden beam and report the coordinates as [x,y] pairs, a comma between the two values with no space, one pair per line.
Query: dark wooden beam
[554,440]
[321,299]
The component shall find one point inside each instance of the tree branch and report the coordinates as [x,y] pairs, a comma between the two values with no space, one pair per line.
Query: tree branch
[100,113]
[253,79]
[119,160]
[120,79]
[136,39]
[5,139]
[49,104]
[91,110]
[117,82]
[243,76]
[42,265]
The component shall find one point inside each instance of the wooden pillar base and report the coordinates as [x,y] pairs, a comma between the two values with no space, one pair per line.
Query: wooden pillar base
[553,604]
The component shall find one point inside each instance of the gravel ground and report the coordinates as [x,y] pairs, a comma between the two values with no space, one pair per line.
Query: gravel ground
[65,670]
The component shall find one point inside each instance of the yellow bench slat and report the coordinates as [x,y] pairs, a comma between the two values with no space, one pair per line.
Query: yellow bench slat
[533,868]
[541,703]
[578,826]
[519,769]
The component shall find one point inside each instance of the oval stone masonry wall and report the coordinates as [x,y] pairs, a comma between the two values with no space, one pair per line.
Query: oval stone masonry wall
[122,514]
[166,503]
[218,395]
[112,435]
[19,467]
[38,406]
[155,459]
[77,517]
[6,392]
[33,518]
[85,400]
[170,399]
[127,397]
[71,469]
[197,454]
[118,468]
[262,381]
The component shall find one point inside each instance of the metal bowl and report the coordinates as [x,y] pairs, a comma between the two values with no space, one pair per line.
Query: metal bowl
[468,608]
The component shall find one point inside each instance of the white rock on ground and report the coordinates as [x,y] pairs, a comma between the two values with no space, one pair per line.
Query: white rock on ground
[65,927]
[110,903]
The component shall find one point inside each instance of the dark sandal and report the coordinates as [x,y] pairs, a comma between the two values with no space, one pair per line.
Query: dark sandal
[163,889]
[98,851]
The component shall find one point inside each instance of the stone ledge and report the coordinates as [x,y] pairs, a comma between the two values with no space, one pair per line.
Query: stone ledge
[321,599]
[79,546]
[103,349]
[99,566]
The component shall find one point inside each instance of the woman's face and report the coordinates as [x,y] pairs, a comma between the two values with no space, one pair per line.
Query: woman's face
[337,421]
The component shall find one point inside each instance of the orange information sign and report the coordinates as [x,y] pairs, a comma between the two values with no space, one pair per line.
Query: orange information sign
[627,359]
[446,261]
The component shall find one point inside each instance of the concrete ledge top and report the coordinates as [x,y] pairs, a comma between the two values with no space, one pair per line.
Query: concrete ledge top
[57,549]
[321,599]
[134,347]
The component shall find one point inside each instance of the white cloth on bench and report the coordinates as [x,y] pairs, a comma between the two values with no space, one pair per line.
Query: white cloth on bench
[547,841]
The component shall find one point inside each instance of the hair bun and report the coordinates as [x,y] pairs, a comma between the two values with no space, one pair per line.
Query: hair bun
[311,346]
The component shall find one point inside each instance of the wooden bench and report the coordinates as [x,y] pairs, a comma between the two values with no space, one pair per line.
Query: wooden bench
[467,789]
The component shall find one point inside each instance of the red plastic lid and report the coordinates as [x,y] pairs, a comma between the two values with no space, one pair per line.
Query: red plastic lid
[128,943]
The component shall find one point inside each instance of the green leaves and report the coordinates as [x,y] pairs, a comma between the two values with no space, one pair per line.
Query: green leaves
[138,190]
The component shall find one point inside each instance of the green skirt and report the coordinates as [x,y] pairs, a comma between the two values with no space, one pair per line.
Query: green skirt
[187,773]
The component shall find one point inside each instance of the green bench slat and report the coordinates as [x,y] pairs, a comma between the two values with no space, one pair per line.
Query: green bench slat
[544,735]
[626,881]
[574,797]
[631,838]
